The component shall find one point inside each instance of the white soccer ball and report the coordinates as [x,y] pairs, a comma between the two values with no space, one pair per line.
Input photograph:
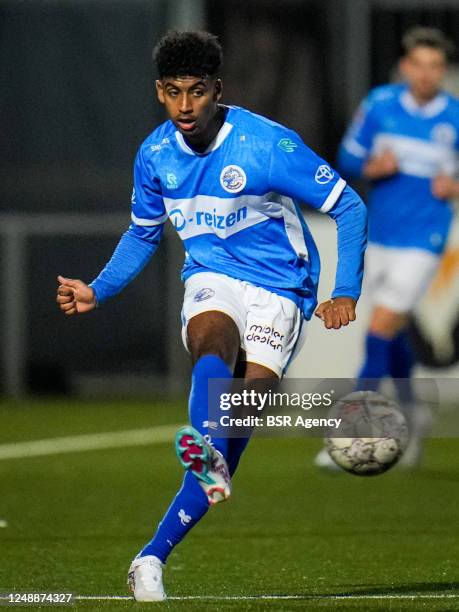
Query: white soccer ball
[376,434]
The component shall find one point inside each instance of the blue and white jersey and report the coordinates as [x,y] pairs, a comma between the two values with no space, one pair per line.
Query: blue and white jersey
[235,206]
[403,212]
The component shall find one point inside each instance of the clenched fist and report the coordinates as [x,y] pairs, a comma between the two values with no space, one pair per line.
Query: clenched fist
[381,166]
[444,187]
[337,312]
[74,296]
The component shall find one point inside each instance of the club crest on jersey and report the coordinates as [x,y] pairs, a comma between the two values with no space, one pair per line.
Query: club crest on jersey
[233,179]
[444,133]
[324,174]
[204,294]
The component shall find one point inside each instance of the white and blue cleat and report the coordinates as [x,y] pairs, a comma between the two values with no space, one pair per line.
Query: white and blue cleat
[145,579]
[198,456]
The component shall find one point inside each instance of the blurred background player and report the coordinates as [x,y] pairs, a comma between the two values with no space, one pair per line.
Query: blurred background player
[404,139]
[229,181]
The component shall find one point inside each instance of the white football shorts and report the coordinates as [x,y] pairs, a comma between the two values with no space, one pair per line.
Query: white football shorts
[397,278]
[271,327]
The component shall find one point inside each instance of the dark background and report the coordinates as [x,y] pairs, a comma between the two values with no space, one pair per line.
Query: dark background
[76,100]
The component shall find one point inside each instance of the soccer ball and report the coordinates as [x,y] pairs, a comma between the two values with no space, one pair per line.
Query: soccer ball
[376,430]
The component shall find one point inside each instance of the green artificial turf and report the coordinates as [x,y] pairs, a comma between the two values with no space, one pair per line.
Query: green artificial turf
[76,520]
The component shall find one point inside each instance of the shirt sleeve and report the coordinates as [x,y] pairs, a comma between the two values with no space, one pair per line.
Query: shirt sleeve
[140,242]
[350,215]
[128,260]
[148,208]
[296,171]
[357,143]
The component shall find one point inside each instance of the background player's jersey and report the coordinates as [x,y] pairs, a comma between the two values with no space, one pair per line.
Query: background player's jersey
[425,141]
[236,206]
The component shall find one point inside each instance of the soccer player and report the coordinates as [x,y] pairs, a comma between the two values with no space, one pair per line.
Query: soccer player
[229,181]
[404,139]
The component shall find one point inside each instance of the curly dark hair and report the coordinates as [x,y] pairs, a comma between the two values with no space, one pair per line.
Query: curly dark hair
[427,37]
[197,54]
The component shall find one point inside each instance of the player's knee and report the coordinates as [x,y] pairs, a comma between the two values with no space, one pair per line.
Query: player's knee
[213,333]
[387,323]
[212,348]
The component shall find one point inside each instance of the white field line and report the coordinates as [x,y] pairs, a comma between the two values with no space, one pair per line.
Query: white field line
[351,596]
[277,597]
[87,442]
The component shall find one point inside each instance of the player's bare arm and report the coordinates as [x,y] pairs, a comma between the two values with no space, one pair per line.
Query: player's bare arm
[74,296]
[337,312]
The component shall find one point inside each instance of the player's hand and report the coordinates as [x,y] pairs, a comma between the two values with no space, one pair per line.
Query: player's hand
[381,166]
[337,312]
[74,296]
[444,187]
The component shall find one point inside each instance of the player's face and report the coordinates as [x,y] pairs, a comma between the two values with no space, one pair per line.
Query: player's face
[424,69]
[191,103]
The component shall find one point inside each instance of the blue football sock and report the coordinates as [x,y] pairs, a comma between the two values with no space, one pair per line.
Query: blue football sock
[235,449]
[402,360]
[190,504]
[377,362]
[209,366]
[187,509]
